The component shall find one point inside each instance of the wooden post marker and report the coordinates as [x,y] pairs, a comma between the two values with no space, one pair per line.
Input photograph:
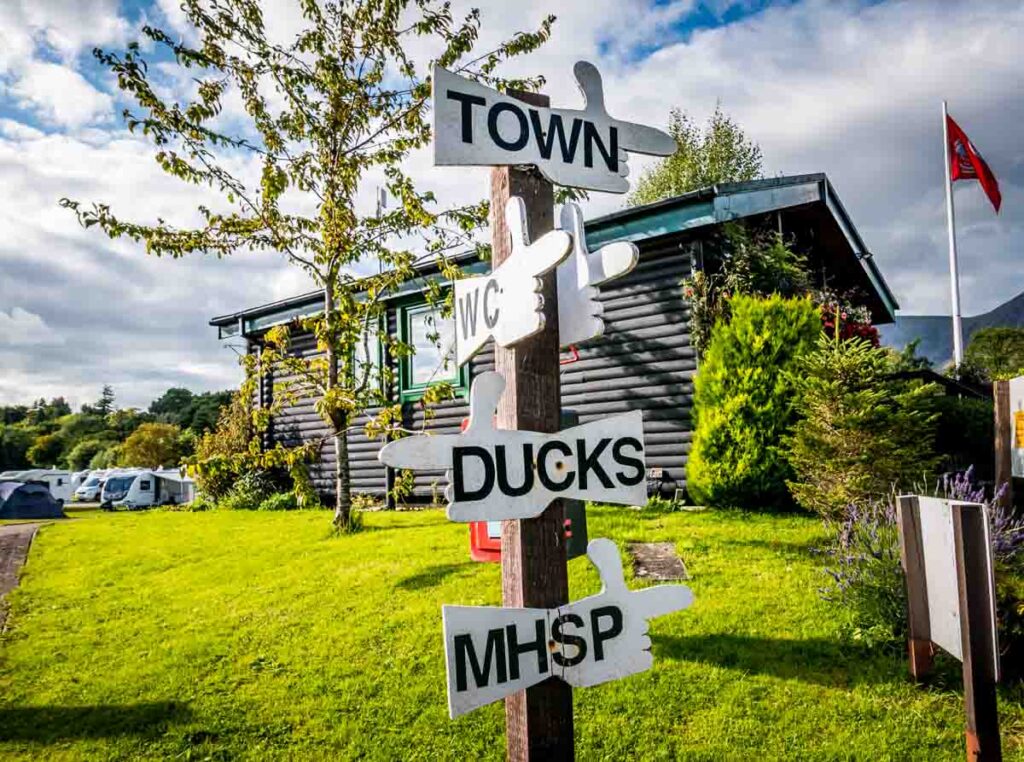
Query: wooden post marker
[1005,433]
[946,552]
[533,558]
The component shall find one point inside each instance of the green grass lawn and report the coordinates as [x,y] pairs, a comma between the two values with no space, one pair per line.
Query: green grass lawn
[256,635]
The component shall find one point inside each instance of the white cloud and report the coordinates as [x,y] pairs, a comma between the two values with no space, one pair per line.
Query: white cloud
[21,328]
[60,95]
[822,86]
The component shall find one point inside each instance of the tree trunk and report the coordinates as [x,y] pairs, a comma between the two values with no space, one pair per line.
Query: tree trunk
[342,488]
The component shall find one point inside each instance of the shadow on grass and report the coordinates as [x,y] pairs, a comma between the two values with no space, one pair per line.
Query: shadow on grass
[831,663]
[432,576]
[787,548]
[54,723]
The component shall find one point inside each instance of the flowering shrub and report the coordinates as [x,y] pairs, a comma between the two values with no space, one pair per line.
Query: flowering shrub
[849,326]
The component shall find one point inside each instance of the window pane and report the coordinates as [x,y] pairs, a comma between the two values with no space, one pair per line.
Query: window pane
[367,351]
[433,337]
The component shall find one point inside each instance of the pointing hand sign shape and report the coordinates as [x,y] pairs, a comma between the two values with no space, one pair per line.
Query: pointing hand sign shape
[581,148]
[507,304]
[496,474]
[579,312]
[617,609]
[588,642]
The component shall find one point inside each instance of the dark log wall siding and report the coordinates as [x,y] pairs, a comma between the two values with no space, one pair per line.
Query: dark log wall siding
[644,361]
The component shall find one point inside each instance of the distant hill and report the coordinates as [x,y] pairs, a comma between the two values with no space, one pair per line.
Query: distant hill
[936,331]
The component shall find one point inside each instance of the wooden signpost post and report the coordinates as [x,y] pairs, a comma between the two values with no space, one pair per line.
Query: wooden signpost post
[946,553]
[519,470]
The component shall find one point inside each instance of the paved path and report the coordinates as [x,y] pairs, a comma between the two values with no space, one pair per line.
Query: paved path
[15,540]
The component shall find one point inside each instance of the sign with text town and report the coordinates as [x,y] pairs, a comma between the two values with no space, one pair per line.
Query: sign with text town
[475,125]
[493,652]
[499,475]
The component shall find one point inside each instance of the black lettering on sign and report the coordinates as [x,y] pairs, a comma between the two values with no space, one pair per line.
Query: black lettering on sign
[467,310]
[626,460]
[467,101]
[556,128]
[565,639]
[465,651]
[539,645]
[542,466]
[459,454]
[610,155]
[600,636]
[502,462]
[588,463]
[490,318]
[492,127]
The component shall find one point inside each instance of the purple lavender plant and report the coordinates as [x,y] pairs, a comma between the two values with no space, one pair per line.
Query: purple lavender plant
[1006,529]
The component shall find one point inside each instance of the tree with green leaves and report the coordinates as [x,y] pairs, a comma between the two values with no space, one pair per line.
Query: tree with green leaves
[153,445]
[996,353]
[721,153]
[341,105]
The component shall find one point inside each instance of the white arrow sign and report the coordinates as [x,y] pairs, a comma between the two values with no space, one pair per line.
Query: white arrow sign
[475,125]
[507,303]
[492,652]
[579,312]
[496,475]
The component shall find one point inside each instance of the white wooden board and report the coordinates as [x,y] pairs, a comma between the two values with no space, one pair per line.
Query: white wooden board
[492,652]
[496,475]
[579,312]
[507,303]
[940,574]
[1017,426]
[579,148]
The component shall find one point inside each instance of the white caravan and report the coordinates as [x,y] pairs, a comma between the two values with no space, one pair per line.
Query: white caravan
[58,482]
[142,488]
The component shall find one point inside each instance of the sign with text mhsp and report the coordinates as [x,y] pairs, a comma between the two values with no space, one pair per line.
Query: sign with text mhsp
[492,652]
[499,475]
[475,125]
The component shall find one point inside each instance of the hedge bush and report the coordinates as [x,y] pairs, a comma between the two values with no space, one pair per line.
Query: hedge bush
[743,402]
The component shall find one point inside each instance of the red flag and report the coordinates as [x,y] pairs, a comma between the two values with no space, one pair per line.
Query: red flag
[965,163]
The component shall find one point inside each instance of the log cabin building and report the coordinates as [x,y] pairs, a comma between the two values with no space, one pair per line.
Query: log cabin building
[645,359]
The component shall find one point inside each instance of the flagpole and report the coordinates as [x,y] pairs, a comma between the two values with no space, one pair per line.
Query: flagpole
[954,269]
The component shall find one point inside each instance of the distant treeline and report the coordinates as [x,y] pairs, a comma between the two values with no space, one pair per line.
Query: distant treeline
[48,434]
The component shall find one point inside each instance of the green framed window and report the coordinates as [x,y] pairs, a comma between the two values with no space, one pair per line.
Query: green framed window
[433,337]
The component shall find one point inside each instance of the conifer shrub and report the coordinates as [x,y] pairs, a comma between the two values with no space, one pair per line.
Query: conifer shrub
[743,402]
[861,433]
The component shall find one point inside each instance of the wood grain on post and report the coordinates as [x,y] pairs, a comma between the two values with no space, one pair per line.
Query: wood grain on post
[919,643]
[538,721]
[1004,439]
[977,632]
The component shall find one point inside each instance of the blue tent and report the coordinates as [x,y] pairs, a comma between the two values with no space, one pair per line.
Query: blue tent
[28,500]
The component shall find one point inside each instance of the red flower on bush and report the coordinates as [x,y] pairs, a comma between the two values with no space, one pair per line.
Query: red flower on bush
[848,329]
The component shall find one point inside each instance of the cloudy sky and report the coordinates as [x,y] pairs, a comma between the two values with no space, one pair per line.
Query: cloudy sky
[851,89]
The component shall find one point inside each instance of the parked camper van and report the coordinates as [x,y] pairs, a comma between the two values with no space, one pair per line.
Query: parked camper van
[141,488]
[90,489]
[57,481]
